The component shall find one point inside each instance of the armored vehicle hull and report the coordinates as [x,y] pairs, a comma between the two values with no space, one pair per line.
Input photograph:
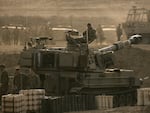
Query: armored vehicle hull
[82,71]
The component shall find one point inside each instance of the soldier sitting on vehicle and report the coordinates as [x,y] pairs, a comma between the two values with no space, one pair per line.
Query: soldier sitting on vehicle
[88,35]
[74,39]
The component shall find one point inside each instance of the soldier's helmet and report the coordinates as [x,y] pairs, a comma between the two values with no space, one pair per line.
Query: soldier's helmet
[17,68]
[89,25]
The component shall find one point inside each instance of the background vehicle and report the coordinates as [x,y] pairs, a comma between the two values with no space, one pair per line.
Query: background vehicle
[138,22]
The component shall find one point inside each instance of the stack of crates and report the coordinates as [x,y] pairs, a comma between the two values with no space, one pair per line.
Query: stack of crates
[143,96]
[33,98]
[13,103]
[104,101]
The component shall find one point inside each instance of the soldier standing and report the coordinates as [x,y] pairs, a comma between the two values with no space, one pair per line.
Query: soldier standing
[148,15]
[34,79]
[16,36]
[6,36]
[100,34]
[21,81]
[0,36]
[4,80]
[119,32]
[22,36]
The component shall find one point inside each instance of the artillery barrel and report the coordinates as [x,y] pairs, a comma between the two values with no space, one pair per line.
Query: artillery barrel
[121,44]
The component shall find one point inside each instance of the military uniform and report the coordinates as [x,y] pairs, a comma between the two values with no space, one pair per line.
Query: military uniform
[100,34]
[4,82]
[21,81]
[119,32]
[90,33]
[16,36]
[34,81]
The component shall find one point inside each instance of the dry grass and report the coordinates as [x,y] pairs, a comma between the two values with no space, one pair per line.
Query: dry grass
[10,49]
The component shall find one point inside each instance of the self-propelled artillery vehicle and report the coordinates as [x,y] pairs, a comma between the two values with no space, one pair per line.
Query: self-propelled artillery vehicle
[78,69]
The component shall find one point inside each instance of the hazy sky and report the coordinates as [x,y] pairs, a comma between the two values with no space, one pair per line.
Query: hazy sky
[68,7]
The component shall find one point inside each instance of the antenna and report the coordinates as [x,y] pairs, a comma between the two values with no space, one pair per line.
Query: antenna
[71,24]
[87,36]
[57,11]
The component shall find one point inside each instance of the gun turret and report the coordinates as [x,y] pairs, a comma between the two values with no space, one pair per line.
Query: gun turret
[135,39]
[104,55]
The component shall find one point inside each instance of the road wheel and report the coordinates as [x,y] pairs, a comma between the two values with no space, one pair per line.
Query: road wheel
[115,101]
[129,99]
[122,100]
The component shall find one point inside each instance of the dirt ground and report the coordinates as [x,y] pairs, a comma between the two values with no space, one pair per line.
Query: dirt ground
[135,58]
[127,109]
